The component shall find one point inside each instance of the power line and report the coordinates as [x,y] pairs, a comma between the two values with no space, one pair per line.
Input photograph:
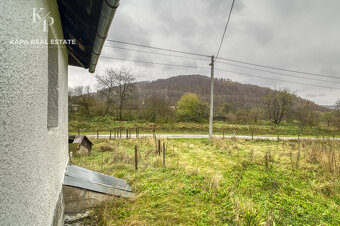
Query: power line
[241,66]
[156,63]
[299,83]
[228,59]
[277,68]
[162,54]
[274,72]
[225,28]
[158,48]
[219,69]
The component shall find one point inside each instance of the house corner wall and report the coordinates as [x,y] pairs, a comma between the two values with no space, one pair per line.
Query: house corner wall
[33,157]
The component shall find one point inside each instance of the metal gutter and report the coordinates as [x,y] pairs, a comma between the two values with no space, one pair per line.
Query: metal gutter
[107,13]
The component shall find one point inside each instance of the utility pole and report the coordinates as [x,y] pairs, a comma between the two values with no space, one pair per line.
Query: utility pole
[211,116]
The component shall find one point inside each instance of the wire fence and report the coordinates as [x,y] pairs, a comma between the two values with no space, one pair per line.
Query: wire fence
[139,132]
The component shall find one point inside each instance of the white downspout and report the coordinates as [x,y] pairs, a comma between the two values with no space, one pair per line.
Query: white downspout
[107,13]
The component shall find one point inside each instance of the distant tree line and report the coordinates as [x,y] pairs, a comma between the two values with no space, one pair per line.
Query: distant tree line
[118,97]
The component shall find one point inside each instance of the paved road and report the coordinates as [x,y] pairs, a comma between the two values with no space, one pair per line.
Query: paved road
[193,136]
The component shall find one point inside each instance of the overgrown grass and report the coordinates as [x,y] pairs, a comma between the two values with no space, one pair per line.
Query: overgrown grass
[221,181]
[89,125]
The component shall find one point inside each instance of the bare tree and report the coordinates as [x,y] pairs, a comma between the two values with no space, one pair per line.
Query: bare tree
[123,88]
[116,85]
[256,114]
[337,107]
[70,99]
[329,118]
[307,114]
[84,95]
[278,103]
[106,82]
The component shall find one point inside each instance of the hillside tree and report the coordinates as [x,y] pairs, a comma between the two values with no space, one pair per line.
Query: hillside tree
[157,110]
[191,108]
[278,104]
[225,109]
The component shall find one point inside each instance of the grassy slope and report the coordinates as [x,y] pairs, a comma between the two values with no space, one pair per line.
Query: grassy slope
[104,124]
[220,182]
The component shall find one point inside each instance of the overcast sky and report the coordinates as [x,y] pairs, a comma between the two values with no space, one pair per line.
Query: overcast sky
[300,35]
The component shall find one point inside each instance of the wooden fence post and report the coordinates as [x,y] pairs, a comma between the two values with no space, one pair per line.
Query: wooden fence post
[127,133]
[136,158]
[110,134]
[223,133]
[252,135]
[78,131]
[97,134]
[159,147]
[164,154]
[154,135]
[278,138]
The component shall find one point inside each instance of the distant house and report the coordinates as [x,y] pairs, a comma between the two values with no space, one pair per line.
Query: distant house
[39,39]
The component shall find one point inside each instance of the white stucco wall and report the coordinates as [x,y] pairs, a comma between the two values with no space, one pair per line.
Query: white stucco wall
[33,158]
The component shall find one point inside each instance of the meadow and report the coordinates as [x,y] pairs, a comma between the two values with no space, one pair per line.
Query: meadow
[220,182]
[90,125]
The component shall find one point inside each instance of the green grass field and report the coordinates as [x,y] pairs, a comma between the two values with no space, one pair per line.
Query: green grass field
[220,182]
[263,128]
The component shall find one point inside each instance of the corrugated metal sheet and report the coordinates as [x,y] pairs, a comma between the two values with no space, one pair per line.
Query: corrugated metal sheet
[76,176]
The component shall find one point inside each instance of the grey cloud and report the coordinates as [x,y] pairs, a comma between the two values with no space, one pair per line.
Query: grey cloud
[300,35]
[144,58]
[316,95]
[124,27]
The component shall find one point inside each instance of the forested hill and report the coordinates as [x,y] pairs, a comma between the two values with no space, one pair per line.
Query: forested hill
[244,96]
